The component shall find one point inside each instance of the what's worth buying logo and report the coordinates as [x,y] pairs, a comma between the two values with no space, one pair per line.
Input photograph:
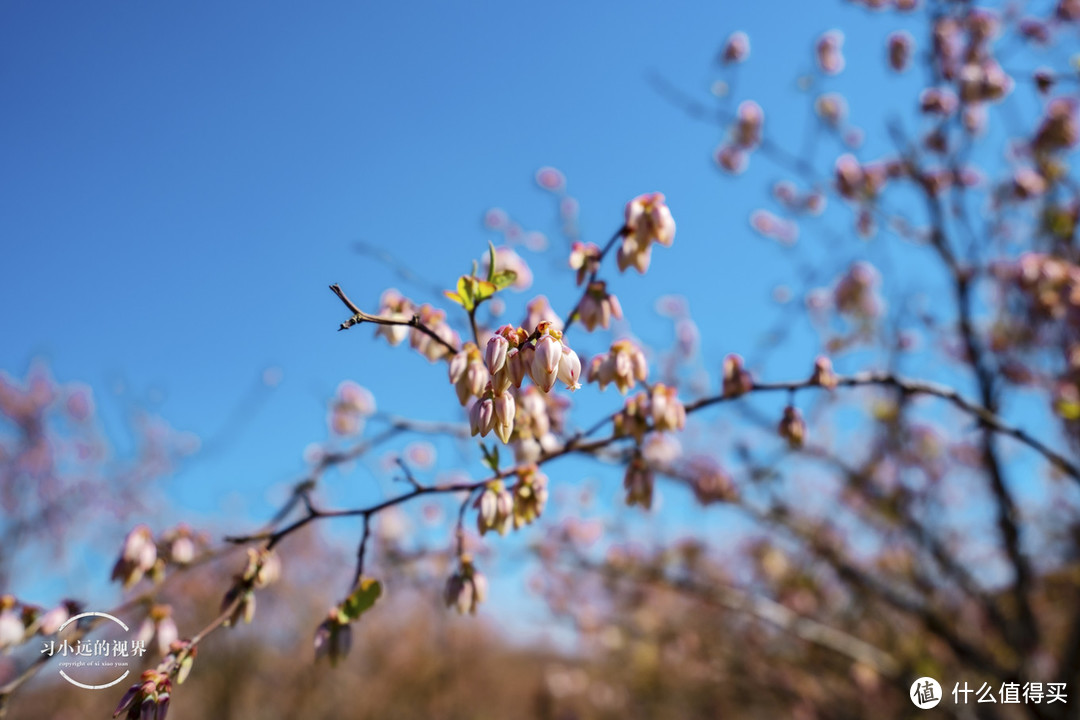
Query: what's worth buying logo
[94,664]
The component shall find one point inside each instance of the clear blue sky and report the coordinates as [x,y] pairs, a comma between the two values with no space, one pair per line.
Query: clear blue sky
[179,183]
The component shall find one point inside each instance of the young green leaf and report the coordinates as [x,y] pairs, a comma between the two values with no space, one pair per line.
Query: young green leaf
[362,598]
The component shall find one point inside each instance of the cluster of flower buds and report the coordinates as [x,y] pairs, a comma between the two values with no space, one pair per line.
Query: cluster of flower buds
[633,419]
[333,638]
[351,405]
[638,483]
[539,310]
[148,699]
[468,373]
[709,481]
[736,49]
[736,378]
[667,411]
[823,375]
[548,359]
[466,588]
[829,52]
[534,423]
[137,557]
[733,155]
[19,623]
[263,568]
[585,258]
[530,494]
[648,220]
[394,306]
[855,293]
[1059,129]
[1052,285]
[792,427]
[983,81]
[856,181]
[180,544]
[624,364]
[658,409]
[435,320]
[495,508]
[900,44]
[598,306]
[159,624]
[938,101]
[493,412]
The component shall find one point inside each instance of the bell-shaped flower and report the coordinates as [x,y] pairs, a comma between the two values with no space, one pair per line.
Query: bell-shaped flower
[648,220]
[482,417]
[545,364]
[530,494]
[495,353]
[598,307]
[824,375]
[395,306]
[570,369]
[466,588]
[333,638]
[137,556]
[668,413]
[495,509]
[736,380]
[504,416]
[792,427]
[638,483]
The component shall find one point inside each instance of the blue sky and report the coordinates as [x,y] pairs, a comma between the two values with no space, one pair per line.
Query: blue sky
[179,183]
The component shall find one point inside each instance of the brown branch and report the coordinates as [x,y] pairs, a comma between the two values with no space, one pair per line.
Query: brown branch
[359,316]
[987,418]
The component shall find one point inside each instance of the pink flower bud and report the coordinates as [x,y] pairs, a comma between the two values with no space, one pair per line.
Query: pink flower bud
[900,44]
[648,220]
[545,364]
[792,427]
[516,366]
[482,417]
[667,412]
[736,49]
[495,353]
[638,483]
[830,57]
[333,639]
[823,373]
[504,416]
[736,380]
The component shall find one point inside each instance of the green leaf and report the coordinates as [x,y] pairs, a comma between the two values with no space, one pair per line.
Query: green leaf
[491,457]
[454,296]
[362,598]
[484,290]
[503,279]
[466,291]
[491,262]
